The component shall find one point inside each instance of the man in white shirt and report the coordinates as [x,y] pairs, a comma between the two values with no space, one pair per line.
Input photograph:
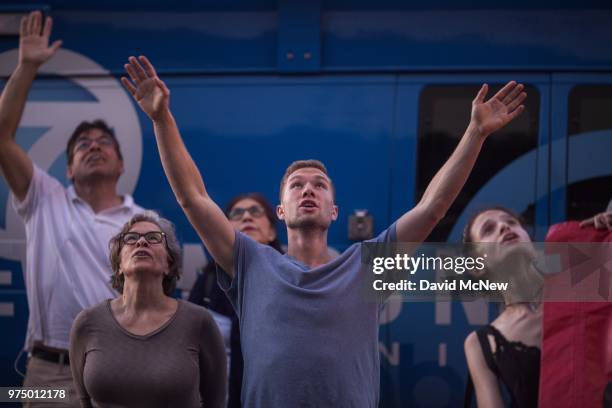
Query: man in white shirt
[67,229]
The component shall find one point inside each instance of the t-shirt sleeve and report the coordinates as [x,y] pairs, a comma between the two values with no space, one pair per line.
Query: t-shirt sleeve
[244,247]
[387,236]
[78,346]
[213,364]
[41,185]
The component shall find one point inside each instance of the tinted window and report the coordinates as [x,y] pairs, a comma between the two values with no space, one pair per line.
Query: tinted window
[589,110]
[444,113]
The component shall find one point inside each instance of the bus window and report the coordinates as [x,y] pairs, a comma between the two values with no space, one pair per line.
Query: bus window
[589,110]
[444,112]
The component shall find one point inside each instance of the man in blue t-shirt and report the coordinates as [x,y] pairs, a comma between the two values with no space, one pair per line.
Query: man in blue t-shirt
[309,338]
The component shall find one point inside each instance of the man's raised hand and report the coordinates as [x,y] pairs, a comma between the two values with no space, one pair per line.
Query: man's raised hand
[497,112]
[34,48]
[145,86]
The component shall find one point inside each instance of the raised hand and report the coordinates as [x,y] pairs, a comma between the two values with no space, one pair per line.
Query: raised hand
[497,112]
[600,221]
[34,48]
[145,86]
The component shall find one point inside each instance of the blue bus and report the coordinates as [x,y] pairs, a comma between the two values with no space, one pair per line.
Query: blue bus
[380,91]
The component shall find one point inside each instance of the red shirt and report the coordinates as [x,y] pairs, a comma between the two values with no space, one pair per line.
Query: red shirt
[576,339]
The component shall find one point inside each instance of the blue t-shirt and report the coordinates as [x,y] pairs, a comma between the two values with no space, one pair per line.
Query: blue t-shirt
[309,337]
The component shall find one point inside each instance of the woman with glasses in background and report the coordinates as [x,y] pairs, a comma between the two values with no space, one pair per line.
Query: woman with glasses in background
[145,348]
[252,215]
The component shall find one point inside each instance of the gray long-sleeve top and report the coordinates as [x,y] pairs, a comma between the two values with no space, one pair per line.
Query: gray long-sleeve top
[181,364]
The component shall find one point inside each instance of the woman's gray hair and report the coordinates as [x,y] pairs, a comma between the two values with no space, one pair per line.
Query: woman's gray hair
[172,247]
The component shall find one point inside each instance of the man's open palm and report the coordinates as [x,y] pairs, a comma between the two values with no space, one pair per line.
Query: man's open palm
[145,86]
[34,36]
[498,111]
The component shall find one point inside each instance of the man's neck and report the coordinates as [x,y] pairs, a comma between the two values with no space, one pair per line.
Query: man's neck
[309,246]
[100,195]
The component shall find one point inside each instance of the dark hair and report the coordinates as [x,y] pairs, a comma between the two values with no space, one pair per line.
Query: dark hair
[268,210]
[86,127]
[172,247]
[467,230]
[301,164]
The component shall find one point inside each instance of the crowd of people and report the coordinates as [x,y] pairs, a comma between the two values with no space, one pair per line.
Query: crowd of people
[264,322]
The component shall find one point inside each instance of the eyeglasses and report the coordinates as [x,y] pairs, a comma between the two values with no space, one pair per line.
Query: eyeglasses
[237,213]
[84,143]
[152,237]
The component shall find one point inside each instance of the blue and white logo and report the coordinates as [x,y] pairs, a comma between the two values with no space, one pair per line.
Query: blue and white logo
[73,88]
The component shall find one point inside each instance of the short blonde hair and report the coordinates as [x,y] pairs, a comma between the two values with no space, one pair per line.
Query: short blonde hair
[302,164]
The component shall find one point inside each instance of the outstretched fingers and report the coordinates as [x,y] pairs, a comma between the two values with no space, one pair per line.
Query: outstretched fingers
[513,94]
[138,70]
[148,67]
[29,23]
[162,86]
[35,23]
[516,101]
[133,68]
[56,44]
[47,27]
[482,93]
[515,113]
[132,73]
[128,85]
[505,91]
[600,221]
[23,27]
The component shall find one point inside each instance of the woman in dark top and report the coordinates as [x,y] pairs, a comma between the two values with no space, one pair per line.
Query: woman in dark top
[253,215]
[507,351]
[145,348]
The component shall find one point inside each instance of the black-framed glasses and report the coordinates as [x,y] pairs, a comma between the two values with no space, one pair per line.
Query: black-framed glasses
[84,143]
[237,212]
[152,237]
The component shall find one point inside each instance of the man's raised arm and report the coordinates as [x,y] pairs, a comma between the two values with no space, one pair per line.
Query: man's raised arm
[206,217]
[34,50]
[487,117]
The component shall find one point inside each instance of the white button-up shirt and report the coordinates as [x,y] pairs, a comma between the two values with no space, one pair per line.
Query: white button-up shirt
[67,268]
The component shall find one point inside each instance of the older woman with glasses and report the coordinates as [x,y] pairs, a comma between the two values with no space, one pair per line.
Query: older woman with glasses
[145,348]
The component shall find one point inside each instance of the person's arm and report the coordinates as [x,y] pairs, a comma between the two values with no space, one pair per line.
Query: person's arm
[212,226]
[34,50]
[487,117]
[78,340]
[485,382]
[213,365]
